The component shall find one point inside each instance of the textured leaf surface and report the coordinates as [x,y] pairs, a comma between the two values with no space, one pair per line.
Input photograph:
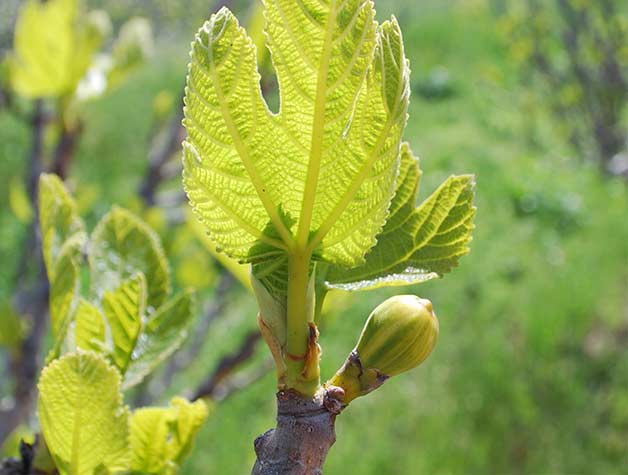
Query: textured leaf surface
[162,437]
[320,172]
[83,419]
[123,245]
[89,331]
[52,50]
[64,291]
[124,310]
[163,334]
[417,244]
[59,220]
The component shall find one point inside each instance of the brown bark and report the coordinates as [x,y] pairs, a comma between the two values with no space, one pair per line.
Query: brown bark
[304,434]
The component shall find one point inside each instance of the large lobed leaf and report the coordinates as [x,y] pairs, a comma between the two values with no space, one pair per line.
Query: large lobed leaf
[320,173]
[83,419]
[123,245]
[417,243]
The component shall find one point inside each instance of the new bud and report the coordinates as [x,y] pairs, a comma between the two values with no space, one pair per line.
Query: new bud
[398,336]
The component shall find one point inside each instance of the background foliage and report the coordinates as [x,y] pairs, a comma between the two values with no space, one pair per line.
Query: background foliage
[531,370]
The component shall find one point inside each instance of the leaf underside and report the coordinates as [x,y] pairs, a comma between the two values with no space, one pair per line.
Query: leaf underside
[123,245]
[163,334]
[321,171]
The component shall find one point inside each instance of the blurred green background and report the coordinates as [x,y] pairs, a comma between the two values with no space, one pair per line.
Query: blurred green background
[530,375]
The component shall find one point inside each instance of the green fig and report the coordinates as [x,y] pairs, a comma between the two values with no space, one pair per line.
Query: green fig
[397,337]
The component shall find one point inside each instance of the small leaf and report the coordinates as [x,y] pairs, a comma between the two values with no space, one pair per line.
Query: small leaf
[82,416]
[123,245]
[59,220]
[150,430]
[89,332]
[53,48]
[124,310]
[190,418]
[417,244]
[163,334]
[64,291]
[162,437]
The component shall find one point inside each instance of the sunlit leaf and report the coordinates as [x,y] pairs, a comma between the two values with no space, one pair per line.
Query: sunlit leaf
[82,415]
[59,220]
[417,244]
[190,418]
[163,334]
[162,437]
[64,290]
[124,309]
[53,48]
[123,245]
[318,175]
[89,330]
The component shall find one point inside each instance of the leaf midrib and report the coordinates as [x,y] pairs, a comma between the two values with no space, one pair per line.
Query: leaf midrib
[318,129]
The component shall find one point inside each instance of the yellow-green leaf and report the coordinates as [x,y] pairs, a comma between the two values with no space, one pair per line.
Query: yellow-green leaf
[83,419]
[318,176]
[163,334]
[64,291]
[53,48]
[89,330]
[161,437]
[59,221]
[123,245]
[417,243]
[124,309]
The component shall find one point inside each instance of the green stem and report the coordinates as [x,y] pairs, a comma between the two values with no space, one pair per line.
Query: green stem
[298,330]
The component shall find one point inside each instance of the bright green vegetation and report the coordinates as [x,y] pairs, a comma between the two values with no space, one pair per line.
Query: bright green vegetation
[108,339]
[529,375]
[322,193]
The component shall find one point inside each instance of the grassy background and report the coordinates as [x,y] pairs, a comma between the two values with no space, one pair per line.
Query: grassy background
[530,375]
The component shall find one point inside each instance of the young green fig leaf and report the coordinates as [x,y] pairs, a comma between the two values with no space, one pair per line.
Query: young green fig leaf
[164,333]
[124,309]
[53,48]
[397,337]
[161,437]
[121,246]
[83,418]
